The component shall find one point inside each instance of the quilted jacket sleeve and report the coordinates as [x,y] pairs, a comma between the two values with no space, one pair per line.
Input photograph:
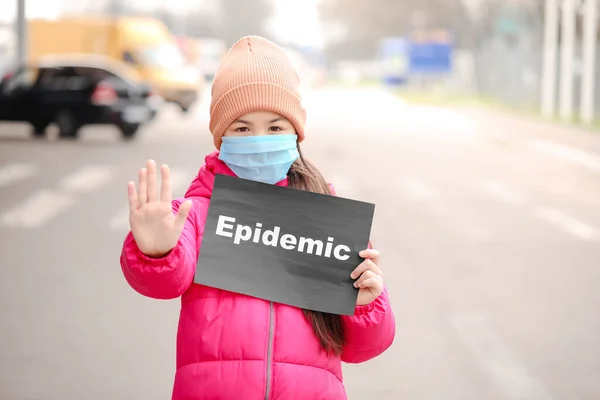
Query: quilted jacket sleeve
[370,331]
[167,277]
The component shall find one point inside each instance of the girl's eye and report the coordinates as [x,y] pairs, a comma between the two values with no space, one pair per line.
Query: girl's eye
[275,128]
[242,129]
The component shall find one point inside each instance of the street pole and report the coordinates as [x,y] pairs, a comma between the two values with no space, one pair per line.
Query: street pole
[21,33]
[567,56]
[588,81]
[114,8]
[549,60]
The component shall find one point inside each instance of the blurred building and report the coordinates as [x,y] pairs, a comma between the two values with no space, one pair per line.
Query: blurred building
[507,60]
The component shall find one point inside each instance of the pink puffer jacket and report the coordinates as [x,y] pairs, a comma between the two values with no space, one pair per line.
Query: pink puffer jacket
[231,346]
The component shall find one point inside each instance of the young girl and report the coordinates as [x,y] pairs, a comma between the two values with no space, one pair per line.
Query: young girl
[232,346]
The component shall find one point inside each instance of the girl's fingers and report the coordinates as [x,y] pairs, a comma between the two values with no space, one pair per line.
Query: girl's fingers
[368,274]
[152,181]
[142,189]
[165,189]
[371,254]
[132,196]
[374,284]
[364,266]
[182,214]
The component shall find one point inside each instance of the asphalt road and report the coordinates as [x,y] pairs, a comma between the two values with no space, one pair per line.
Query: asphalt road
[489,229]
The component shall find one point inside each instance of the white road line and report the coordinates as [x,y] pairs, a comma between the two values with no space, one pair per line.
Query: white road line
[503,193]
[14,172]
[87,179]
[180,180]
[569,224]
[567,153]
[495,357]
[120,221]
[37,209]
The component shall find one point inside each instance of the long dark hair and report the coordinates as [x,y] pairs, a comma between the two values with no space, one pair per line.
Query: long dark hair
[328,328]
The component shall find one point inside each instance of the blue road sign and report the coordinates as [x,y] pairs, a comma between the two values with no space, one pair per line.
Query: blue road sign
[394,60]
[430,56]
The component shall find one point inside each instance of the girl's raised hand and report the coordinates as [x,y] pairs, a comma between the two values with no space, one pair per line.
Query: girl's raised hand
[370,277]
[154,227]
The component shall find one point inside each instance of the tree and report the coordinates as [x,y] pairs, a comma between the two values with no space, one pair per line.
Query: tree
[224,19]
[238,18]
[362,24]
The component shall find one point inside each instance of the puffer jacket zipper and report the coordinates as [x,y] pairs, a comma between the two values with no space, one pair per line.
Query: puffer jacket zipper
[270,350]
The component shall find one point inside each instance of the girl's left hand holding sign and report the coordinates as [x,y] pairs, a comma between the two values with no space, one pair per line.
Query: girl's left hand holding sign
[370,277]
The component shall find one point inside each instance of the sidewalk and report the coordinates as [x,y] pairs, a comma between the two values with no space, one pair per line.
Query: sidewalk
[572,144]
[507,123]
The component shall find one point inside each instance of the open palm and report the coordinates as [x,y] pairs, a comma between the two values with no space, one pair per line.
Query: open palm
[155,228]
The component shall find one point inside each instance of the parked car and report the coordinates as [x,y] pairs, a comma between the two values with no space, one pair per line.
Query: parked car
[76,90]
[145,44]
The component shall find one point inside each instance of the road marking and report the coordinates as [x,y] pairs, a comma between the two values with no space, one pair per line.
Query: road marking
[120,221]
[503,193]
[495,357]
[37,209]
[87,179]
[571,225]
[567,153]
[418,189]
[14,172]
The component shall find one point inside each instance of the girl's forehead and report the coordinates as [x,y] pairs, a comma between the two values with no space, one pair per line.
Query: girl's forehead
[261,113]
[260,116]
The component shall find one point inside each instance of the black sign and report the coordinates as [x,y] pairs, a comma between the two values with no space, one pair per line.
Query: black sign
[284,245]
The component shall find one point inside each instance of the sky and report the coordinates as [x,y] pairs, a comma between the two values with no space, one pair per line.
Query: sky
[294,20]
[297,21]
[34,9]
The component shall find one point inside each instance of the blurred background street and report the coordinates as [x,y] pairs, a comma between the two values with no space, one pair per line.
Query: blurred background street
[487,214]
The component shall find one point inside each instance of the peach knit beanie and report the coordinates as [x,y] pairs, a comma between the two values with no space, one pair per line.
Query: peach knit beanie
[255,75]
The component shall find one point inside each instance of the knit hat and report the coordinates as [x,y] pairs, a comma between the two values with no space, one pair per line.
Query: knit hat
[255,75]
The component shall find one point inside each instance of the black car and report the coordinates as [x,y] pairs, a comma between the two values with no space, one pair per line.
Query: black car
[72,92]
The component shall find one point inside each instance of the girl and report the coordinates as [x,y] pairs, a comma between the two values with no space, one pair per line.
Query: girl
[232,346]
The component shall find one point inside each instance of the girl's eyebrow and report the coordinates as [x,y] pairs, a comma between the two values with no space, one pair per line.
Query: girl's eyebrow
[242,121]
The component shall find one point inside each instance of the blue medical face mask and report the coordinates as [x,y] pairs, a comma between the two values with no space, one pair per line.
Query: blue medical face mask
[264,159]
